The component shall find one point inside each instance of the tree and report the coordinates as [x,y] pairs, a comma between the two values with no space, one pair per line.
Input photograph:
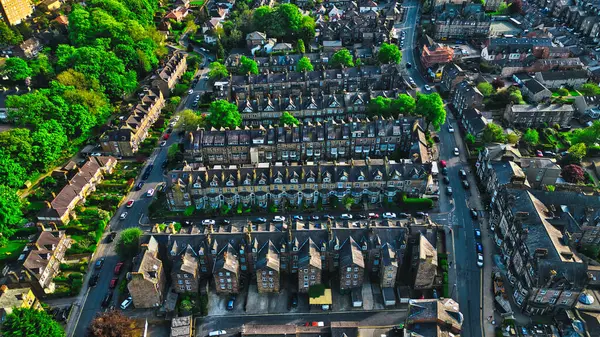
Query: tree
[190,120]
[10,213]
[341,58]
[503,8]
[577,152]
[348,201]
[562,92]
[9,36]
[403,105]
[469,138]
[380,106]
[431,107]
[48,142]
[23,322]
[485,88]
[493,133]
[512,138]
[588,136]
[223,114]
[16,69]
[304,64]
[573,173]
[590,89]
[248,66]
[515,96]
[172,152]
[217,71]
[531,137]
[220,50]
[300,46]
[497,83]
[516,6]
[113,324]
[11,173]
[287,119]
[129,242]
[389,53]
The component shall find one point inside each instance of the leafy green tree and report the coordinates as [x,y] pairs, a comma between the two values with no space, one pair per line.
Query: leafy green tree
[16,143]
[531,136]
[590,89]
[493,133]
[11,173]
[300,46]
[577,152]
[469,138]
[503,8]
[217,71]
[431,107]
[223,114]
[48,142]
[16,69]
[515,96]
[341,58]
[562,92]
[172,152]
[304,64]
[220,50]
[287,119]
[588,135]
[403,105]
[10,213]
[512,138]
[348,201]
[485,88]
[389,53]
[380,106]
[9,36]
[41,66]
[24,322]
[190,121]
[248,66]
[128,243]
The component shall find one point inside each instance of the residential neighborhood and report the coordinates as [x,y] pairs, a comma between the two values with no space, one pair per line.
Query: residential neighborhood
[273,168]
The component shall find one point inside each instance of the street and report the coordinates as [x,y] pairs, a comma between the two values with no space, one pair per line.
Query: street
[409,52]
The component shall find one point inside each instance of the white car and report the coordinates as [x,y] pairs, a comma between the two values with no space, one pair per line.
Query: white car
[150,192]
[96,154]
[389,215]
[163,143]
[479,260]
[456,153]
[126,303]
[123,216]
[450,128]
[427,87]
[279,218]
[208,222]
[191,91]
[217,333]
[346,216]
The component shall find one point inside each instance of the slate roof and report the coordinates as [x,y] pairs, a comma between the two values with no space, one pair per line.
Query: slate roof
[351,254]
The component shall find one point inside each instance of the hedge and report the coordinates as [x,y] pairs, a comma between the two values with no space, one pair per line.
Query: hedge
[417,203]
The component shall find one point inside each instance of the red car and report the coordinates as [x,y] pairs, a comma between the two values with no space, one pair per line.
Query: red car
[442,163]
[118,268]
[113,283]
[129,204]
[166,136]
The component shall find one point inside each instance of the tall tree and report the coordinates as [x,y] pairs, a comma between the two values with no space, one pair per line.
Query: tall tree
[341,58]
[577,152]
[493,133]
[48,142]
[573,173]
[113,324]
[531,136]
[300,46]
[403,105]
[217,71]
[380,106]
[287,119]
[223,114]
[31,323]
[248,66]
[190,121]
[16,69]
[9,36]
[432,108]
[485,88]
[389,53]
[590,89]
[11,173]
[10,213]
[304,64]
[128,243]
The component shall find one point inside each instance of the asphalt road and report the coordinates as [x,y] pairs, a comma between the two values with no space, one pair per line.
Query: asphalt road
[232,324]
[410,52]
[91,298]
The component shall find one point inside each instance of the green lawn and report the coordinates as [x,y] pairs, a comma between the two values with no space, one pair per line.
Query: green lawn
[198,3]
[12,249]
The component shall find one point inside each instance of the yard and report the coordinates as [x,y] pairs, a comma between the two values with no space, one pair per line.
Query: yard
[11,251]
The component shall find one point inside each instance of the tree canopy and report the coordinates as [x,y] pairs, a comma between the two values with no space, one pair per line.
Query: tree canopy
[284,20]
[341,58]
[385,107]
[113,324]
[493,133]
[248,66]
[10,213]
[531,136]
[431,107]
[217,71]
[190,120]
[128,243]
[573,173]
[30,323]
[287,119]
[485,88]
[304,64]
[389,53]
[16,69]
[590,89]
[223,114]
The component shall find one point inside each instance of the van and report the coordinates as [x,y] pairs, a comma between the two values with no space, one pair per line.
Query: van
[217,333]
[127,303]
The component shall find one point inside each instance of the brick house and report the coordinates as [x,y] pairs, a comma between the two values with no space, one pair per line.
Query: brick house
[147,280]
[352,265]
[39,263]
[434,53]
[267,269]
[424,264]
[389,267]
[503,51]
[168,75]
[185,273]
[11,298]
[309,266]
[226,271]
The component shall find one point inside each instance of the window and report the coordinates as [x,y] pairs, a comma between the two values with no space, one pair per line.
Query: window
[181,288]
[349,269]
[187,281]
[347,275]
[306,270]
[227,274]
[305,284]
[222,280]
[180,282]
[270,272]
[186,275]
[355,276]
[356,269]
[228,280]
[188,287]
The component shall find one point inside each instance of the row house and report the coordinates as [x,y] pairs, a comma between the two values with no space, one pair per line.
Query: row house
[546,273]
[503,51]
[126,139]
[313,83]
[452,75]
[535,91]
[185,272]
[497,156]
[307,251]
[80,185]
[12,298]
[434,53]
[433,317]
[473,122]
[588,106]
[306,142]
[370,181]
[169,74]
[461,22]
[368,28]
[147,280]
[466,96]
[39,263]
[527,116]
[559,79]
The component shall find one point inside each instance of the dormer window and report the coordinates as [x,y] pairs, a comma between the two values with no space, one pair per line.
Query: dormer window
[361,178]
[294,181]
[377,177]
[247,182]
[310,180]
[326,180]
[344,178]
[197,185]
[278,181]
[214,184]
[295,249]
[261,182]
[229,183]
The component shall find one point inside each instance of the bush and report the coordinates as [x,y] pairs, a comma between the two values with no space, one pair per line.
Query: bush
[76,276]
[204,305]
[76,285]
[418,204]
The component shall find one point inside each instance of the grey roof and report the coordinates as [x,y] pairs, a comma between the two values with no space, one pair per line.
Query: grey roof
[268,257]
[563,75]
[534,86]
[351,254]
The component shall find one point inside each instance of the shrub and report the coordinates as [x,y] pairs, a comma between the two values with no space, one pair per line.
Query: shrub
[76,276]
[419,204]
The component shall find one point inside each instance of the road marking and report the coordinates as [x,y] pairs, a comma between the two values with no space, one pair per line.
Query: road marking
[82,306]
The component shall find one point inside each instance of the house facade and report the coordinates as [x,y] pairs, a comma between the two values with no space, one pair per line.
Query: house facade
[535,91]
[309,266]
[267,269]
[185,273]
[433,53]
[352,265]
[524,115]
[147,280]
[558,79]
[168,75]
[461,22]
[11,298]
[226,271]
[466,96]
[424,264]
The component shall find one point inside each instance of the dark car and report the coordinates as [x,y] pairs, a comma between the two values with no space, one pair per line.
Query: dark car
[139,186]
[164,164]
[361,216]
[408,65]
[93,280]
[479,247]
[436,138]
[445,171]
[260,220]
[446,180]
[99,263]
[107,299]
[477,234]
[226,222]
[462,174]
[231,303]
[111,237]
[473,213]
[293,301]
[465,184]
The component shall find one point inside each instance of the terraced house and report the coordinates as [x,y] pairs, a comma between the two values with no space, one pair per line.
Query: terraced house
[329,140]
[369,181]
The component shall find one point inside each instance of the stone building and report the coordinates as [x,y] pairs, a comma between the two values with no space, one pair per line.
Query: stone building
[352,265]
[461,22]
[424,264]
[185,274]
[389,267]
[147,279]
[309,266]
[527,116]
[226,271]
[267,269]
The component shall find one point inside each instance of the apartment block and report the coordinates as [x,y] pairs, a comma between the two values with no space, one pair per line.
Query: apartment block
[527,116]
[15,11]
[147,280]
[461,22]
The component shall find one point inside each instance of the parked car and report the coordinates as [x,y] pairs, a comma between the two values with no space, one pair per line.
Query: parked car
[448,190]
[298,217]
[293,301]
[217,333]
[446,180]
[106,300]
[150,192]
[389,215]
[225,222]
[480,260]
[166,136]
[477,233]
[465,184]
[279,218]
[93,280]
[129,204]
[111,237]
[118,268]
[346,216]
[327,216]
[208,222]
[314,217]
[456,152]
[450,128]
[260,220]
[99,263]
[539,153]
[444,170]
[123,216]
[139,186]
[479,247]
[403,215]
[474,214]
[373,216]
[113,283]
[191,91]
[231,303]
[443,163]
[462,174]
[408,65]
[126,303]
[163,143]
[427,87]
